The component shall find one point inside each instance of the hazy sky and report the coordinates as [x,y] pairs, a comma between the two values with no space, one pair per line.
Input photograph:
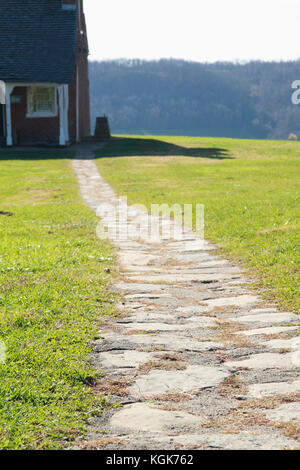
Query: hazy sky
[201,30]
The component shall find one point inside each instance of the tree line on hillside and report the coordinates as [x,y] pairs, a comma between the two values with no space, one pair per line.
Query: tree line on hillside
[175,97]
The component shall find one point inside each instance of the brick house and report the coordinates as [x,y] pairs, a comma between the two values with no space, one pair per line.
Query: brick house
[44,66]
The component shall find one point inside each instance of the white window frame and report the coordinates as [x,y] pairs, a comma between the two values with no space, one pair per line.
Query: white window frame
[42,114]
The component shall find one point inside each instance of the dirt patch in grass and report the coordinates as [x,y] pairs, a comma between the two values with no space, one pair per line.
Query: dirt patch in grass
[117,387]
[98,444]
[286,228]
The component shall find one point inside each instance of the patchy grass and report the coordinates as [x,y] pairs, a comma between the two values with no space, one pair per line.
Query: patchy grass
[227,334]
[176,397]
[119,387]
[141,332]
[250,190]
[99,444]
[231,386]
[53,288]
[168,357]
[271,402]
[161,365]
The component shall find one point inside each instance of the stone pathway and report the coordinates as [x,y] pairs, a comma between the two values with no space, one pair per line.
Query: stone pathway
[196,359]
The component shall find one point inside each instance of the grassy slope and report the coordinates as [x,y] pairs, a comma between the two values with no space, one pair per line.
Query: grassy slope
[52,289]
[250,190]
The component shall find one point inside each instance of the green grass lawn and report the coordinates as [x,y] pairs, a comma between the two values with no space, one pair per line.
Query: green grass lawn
[250,190]
[53,288]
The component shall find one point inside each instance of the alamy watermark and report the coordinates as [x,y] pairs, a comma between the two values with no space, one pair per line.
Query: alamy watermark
[163,222]
[296,95]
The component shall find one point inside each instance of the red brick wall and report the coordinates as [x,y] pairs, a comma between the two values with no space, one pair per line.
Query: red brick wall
[31,130]
[84,98]
[82,72]
[83,75]
[84,102]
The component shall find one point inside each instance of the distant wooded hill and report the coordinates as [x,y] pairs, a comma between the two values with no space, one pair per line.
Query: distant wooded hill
[186,98]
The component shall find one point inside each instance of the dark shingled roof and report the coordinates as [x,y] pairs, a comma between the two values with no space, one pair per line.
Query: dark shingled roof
[37,41]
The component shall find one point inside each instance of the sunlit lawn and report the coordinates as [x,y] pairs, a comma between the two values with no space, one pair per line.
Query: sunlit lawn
[53,289]
[250,190]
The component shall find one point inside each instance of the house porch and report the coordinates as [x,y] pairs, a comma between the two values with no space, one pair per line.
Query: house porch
[36,114]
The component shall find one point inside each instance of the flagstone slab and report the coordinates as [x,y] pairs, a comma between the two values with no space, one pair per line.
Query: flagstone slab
[134,297]
[200,321]
[152,316]
[139,288]
[190,310]
[143,417]
[274,388]
[263,310]
[277,317]
[131,270]
[269,331]
[291,343]
[197,258]
[179,278]
[132,306]
[196,270]
[193,379]
[265,361]
[196,247]
[175,322]
[239,301]
[243,440]
[123,359]
[171,343]
[288,412]
[155,326]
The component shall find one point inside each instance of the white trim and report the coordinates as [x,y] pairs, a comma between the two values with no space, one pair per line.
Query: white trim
[66,111]
[77,104]
[2,92]
[8,92]
[41,114]
[62,136]
[26,84]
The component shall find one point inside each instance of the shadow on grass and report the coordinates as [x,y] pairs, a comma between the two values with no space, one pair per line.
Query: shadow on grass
[36,153]
[130,147]
[116,147]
